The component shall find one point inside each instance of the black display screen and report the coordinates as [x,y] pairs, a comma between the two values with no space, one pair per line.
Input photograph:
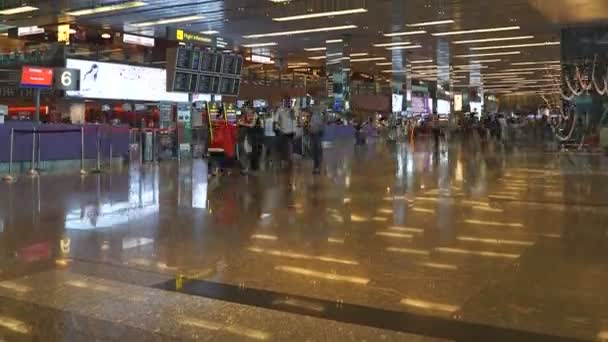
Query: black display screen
[205,84]
[239,65]
[208,62]
[183,59]
[182,81]
[235,88]
[229,64]
[215,86]
[226,85]
[196,60]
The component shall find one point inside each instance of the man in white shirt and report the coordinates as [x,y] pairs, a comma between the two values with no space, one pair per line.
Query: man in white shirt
[287,127]
[269,139]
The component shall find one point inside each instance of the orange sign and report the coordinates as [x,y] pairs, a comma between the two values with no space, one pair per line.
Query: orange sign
[36,77]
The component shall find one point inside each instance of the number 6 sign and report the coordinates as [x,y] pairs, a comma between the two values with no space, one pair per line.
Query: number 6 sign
[66,79]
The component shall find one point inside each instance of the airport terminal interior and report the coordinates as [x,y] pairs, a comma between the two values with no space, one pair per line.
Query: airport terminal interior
[304,170]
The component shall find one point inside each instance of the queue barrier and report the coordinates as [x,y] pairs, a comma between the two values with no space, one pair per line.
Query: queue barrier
[36,138]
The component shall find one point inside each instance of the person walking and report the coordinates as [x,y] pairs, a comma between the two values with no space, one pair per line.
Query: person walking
[316,128]
[269,139]
[244,144]
[287,127]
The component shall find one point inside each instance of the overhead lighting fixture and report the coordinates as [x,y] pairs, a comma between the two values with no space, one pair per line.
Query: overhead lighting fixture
[532,69]
[422,61]
[321,14]
[537,63]
[496,60]
[316,49]
[505,53]
[108,8]
[317,57]
[406,33]
[392,44]
[330,41]
[210,32]
[431,23]
[494,29]
[368,59]
[106,35]
[407,47]
[359,54]
[169,21]
[294,32]
[18,10]
[260,45]
[481,48]
[385,63]
[473,41]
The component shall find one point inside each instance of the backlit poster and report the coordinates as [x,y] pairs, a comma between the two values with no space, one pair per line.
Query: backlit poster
[99,80]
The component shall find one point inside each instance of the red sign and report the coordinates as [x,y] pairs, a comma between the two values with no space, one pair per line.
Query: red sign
[36,77]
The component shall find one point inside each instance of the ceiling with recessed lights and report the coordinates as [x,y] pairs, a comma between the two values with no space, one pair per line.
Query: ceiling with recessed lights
[499,34]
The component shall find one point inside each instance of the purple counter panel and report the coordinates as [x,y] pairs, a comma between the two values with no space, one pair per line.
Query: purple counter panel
[58,142]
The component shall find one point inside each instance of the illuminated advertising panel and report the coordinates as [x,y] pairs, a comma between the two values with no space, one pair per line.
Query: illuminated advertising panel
[99,80]
[36,77]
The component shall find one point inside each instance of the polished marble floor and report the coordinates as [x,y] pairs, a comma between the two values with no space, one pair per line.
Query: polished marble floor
[394,241]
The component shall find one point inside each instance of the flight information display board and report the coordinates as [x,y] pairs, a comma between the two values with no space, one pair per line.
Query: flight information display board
[192,70]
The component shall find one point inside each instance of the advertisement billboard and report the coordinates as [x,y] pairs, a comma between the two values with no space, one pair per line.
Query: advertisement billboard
[36,77]
[397,103]
[111,81]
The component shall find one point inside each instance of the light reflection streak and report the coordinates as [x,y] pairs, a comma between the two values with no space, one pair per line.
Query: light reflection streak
[357,218]
[439,266]
[300,304]
[407,229]
[423,210]
[421,304]
[335,240]
[496,241]
[229,328]
[488,209]
[495,223]
[478,253]
[264,237]
[274,252]
[408,251]
[10,285]
[322,275]
[395,235]
[14,325]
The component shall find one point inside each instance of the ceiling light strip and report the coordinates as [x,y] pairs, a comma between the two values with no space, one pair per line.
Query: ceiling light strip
[295,32]
[108,8]
[392,44]
[407,47]
[487,40]
[169,21]
[321,14]
[481,48]
[260,45]
[431,23]
[505,53]
[494,29]
[406,33]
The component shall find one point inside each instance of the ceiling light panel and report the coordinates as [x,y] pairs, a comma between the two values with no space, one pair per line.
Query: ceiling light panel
[260,45]
[371,59]
[406,47]
[487,40]
[18,10]
[407,33]
[295,32]
[169,21]
[505,53]
[392,44]
[331,41]
[321,14]
[108,8]
[481,48]
[494,29]
[432,23]
[537,63]
[321,48]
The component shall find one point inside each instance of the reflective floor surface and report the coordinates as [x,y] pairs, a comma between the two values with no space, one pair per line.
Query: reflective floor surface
[393,242]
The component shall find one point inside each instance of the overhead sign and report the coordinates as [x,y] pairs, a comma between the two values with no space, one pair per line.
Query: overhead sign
[66,79]
[181,35]
[36,77]
[261,59]
[63,33]
[29,30]
[457,102]
[137,40]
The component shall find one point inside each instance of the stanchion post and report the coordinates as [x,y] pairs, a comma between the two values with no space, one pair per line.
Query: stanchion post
[32,171]
[9,177]
[110,143]
[82,170]
[155,146]
[98,157]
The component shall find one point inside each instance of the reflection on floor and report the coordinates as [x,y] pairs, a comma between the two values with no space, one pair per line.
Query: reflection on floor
[464,240]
